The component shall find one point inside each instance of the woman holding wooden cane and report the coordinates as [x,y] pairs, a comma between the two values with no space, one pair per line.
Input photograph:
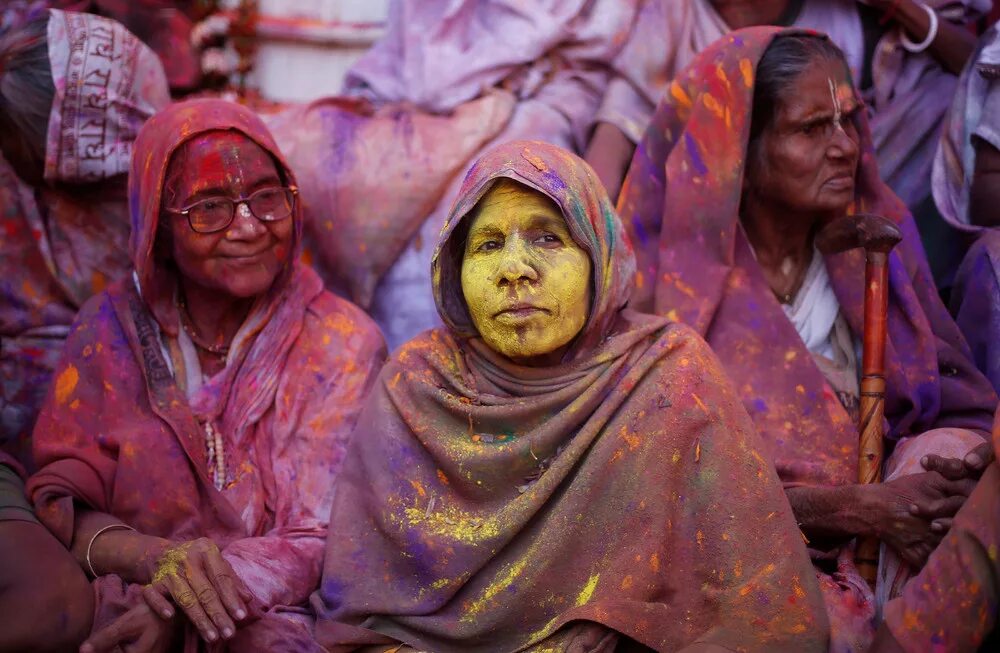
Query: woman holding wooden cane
[757,145]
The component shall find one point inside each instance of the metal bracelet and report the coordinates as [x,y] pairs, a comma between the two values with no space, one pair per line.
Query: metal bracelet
[917,48]
[109,527]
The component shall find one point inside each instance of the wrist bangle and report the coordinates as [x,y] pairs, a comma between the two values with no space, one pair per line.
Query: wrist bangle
[90,545]
[932,31]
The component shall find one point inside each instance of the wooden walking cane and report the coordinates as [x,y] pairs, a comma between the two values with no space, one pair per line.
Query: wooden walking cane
[877,235]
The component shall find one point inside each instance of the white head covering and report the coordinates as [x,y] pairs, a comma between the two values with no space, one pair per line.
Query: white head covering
[107,83]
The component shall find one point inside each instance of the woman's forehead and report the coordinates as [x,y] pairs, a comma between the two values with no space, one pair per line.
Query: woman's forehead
[824,85]
[507,197]
[224,146]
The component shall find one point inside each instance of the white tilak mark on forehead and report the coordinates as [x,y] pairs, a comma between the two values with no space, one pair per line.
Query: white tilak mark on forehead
[836,102]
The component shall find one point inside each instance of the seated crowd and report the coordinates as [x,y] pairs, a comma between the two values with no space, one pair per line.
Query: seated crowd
[607,422]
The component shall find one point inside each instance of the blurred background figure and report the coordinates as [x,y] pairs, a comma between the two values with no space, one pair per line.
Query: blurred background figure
[165,26]
[966,185]
[74,90]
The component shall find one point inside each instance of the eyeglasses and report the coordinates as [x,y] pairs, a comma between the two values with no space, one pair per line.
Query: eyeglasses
[216,213]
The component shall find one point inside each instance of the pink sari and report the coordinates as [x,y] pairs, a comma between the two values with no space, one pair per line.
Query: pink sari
[118,434]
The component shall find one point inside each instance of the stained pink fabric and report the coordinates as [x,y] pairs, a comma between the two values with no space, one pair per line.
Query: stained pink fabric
[117,435]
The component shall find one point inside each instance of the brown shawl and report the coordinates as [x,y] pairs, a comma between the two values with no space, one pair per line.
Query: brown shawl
[486,506]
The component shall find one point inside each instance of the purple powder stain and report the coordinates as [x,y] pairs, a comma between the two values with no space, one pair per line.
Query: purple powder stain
[692,147]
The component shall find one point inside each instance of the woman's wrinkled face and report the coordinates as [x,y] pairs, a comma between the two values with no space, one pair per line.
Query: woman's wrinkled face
[525,280]
[806,161]
[243,259]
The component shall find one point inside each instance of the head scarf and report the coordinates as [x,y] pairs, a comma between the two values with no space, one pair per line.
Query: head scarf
[681,202]
[487,506]
[107,83]
[589,215]
[159,138]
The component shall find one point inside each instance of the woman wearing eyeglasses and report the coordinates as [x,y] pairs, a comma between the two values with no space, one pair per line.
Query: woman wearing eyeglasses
[202,406]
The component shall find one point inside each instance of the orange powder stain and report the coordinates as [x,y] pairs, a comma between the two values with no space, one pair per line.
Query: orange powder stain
[712,105]
[700,537]
[626,582]
[632,440]
[720,72]
[700,403]
[98,282]
[534,160]
[419,488]
[684,288]
[617,456]
[679,96]
[746,70]
[74,404]
[29,290]
[790,355]
[800,389]
[654,562]
[738,569]
[442,477]
[66,383]
[339,324]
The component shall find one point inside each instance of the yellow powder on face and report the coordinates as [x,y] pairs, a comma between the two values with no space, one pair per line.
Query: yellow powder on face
[525,280]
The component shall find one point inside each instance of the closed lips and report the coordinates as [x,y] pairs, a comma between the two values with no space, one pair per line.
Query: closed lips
[520,309]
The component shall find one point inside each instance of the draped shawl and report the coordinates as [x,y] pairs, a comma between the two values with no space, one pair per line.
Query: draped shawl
[487,506]
[681,203]
[118,435]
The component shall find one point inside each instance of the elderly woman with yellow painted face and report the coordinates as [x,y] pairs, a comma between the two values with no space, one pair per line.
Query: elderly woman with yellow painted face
[552,470]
